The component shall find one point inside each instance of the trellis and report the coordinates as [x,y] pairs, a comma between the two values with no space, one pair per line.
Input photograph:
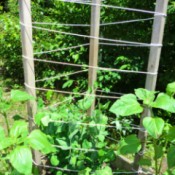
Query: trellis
[152,69]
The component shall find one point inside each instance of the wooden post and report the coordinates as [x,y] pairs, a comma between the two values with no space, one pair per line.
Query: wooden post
[153,64]
[28,65]
[94,47]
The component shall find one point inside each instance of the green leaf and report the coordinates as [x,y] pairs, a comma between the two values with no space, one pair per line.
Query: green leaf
[171,157]
[145,95]
[85,172]
[19,128]
[126,105]
[5,143]
[45,120]
[171,134]
[39,141]
[158,152]
[39,116]
[86,144]
[68,84]
[170,89]
[105,171]
[17,95]
[63,144]
[4,107]
[21,160]
[54,160]
[154,126]
[129,145]
[86,103]
[165,102]
[145,162]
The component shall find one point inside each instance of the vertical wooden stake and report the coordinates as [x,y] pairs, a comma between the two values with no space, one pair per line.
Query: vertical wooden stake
[153,64]
[94,47]
[27,51]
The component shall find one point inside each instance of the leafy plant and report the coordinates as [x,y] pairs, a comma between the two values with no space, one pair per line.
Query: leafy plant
[79,139]
[161,132]
[17,143]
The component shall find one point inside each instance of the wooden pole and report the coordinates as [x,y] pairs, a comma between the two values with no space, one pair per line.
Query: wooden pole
[28,65]
[153,65]
[94,47]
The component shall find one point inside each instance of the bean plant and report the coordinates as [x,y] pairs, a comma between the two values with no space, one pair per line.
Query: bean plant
[16,142]
[161,132]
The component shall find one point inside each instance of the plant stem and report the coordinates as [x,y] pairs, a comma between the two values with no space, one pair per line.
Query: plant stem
[7,123]
[166,143]
[155,156]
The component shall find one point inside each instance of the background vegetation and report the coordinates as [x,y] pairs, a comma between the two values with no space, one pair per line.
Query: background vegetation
[132,58]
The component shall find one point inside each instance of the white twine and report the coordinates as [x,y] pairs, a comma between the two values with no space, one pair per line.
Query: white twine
[88,25]
[63,75]
[92,37]
[77,149]
[95,124]
[71,93]
[77,171]
[119,7]
[93,67]
[58,103]
[62,49]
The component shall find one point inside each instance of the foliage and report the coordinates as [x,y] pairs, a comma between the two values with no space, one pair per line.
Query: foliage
[16,146]
[161,132]
[80,144]
[130,58]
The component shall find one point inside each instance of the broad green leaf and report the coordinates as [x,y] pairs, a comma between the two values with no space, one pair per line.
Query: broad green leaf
[145,162]
[17,95]
[19,128]
[129,145]
[54,160]
[39,141]
[126,105]
[4,107]
[145,95]
[154,126]
[73,160]
[158,152]
[86,144]
[170,89]
[165,102]
[21,160]
[86,103]
[105,171]
[171,134]
[39,116]
[45,120]
[5,143]
[171,157]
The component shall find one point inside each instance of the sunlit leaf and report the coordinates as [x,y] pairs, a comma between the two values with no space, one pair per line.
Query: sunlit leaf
[154,126]
[21,160]
[126,105]
[129,145]
[170,89]
[39,141]
[145,95]
[171,157]
[19,128]
[165,102]
[17,95]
